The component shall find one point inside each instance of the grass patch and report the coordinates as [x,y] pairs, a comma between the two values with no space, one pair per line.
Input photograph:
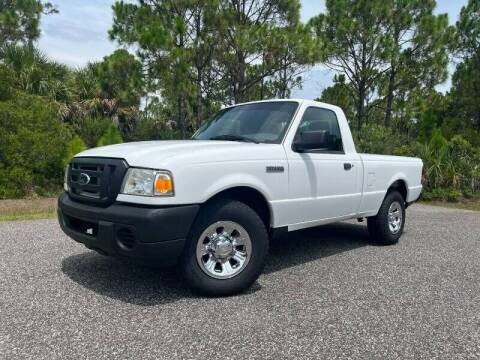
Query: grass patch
[28,209]
[467,204]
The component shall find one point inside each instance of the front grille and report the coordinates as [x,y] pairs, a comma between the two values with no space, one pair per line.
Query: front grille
[96,180]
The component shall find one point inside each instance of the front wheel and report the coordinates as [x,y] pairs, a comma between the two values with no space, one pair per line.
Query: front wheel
[226,249]
[387,226]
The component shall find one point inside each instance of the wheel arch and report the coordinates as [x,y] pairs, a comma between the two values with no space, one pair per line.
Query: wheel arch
[249,195]
[399,185]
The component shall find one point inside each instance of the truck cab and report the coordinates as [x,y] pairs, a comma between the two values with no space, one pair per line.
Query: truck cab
[210,204]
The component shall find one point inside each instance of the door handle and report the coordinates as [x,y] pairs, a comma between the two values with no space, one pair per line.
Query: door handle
[347,166]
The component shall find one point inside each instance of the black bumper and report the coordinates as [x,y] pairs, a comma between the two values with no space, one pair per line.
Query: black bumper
[149,233]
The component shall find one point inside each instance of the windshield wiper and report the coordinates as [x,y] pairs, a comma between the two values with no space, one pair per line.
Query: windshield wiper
[232,137]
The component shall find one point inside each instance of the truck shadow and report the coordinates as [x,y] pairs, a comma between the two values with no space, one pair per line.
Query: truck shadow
[148,286]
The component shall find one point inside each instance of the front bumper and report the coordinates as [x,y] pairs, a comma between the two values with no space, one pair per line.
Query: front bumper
[149,233]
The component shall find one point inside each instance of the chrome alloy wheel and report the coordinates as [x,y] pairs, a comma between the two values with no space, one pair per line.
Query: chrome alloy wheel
[224,250]
[395,217]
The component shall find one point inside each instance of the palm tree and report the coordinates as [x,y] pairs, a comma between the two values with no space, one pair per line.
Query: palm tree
[35,73]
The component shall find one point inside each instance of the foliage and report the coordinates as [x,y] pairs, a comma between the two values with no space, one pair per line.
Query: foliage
[20,19]
[119,76]
[377,139]
[153,129]
[74,146]
[111,136]
[340,94]
[465,93]
[385,49]
[34,72]
[7,79]
[32,145]
[443,194]
[90,129]
[200,52]
[468,30]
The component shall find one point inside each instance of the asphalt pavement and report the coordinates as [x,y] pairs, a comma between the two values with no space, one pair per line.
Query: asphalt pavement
[325,293]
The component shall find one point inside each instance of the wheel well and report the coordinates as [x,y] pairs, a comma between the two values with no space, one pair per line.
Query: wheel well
[249,196]
[399,186]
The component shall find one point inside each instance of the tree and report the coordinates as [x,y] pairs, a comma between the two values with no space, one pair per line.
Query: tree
[468,29]
[104,93]
[159,30]
[259,39]
[203,38]
[340,94]
[202,54]
[20,20]
[296,54]
[416,50]
[465,92]
[354,34]
[35,73]
[119,76]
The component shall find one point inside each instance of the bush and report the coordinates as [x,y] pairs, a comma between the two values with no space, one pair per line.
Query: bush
[75,146]
[7,81]
[91,129]
[377,139]
[151,129]
[441,194]
[33,144]
[111,136]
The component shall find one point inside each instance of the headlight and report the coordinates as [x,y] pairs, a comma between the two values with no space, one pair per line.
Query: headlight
[147,182]
[65,178]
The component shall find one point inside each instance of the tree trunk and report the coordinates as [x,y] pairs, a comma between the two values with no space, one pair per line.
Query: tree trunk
[283,81]
[240,77]
[181,116]
[391,89]
[361,106]
[198,117]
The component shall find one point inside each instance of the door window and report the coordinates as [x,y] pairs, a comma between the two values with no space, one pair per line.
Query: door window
[322,120]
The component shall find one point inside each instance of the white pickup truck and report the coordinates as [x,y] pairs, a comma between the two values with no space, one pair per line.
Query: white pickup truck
[211,204]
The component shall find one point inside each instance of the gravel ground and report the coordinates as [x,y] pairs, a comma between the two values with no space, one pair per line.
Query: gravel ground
[325,293]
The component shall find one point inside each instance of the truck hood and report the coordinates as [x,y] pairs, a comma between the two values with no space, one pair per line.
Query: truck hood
[162,154]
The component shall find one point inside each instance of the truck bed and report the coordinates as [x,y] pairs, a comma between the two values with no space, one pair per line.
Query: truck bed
[379,171]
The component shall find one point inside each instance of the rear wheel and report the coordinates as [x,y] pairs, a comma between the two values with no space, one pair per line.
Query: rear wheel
[387,226]
[226,249]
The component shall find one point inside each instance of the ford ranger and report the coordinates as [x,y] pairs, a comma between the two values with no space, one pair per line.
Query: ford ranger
[211,204]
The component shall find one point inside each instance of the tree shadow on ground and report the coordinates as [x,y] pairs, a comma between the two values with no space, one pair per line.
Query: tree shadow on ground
[142,285]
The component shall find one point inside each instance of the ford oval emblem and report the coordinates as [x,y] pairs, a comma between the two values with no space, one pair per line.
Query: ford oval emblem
[84,179]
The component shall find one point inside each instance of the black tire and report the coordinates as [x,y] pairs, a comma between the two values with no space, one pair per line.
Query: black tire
[225,210]
[378,226]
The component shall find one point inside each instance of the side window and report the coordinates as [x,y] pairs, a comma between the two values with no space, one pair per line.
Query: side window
[322,120]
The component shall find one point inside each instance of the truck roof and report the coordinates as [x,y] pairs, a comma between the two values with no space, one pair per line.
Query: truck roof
[300,101]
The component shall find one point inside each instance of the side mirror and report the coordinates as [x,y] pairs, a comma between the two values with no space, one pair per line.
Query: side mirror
[310,140]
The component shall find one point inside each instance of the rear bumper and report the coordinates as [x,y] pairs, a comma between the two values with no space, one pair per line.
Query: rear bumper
[149,233]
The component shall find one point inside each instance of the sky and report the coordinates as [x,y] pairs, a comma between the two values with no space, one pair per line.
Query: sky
[78,34]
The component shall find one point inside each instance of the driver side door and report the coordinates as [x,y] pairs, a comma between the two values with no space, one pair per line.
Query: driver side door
[324,183]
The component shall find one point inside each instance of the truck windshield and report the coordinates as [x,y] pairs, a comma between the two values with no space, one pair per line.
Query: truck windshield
[264,122]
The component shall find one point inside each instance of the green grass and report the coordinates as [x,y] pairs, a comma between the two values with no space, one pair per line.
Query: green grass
[28,209]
